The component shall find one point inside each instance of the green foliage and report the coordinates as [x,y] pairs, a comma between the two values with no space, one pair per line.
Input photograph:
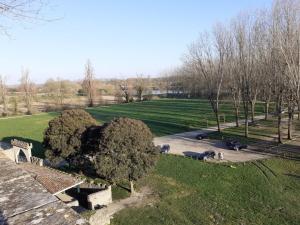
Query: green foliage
[63,138]
[126,150]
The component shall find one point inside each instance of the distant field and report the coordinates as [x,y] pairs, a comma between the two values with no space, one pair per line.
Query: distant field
[192,192]
[166,116]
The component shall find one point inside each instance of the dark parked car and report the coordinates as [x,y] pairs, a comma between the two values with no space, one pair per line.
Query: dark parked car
[235,145]
[208,155]
[165,149]
[201,136]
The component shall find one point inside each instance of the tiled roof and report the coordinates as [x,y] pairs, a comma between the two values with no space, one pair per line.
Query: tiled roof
[53,180]
[25,201]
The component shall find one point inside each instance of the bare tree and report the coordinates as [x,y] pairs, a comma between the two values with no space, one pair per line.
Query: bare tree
[286,16]
[27,87]
[259,36]
[88,83]
[125,91]
[3,96]
[15,107]
[20,11]
[259,59]
[232,82]
[243,60]
[207,59]
[141,85]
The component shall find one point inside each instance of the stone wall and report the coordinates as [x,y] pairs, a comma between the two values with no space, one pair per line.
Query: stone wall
[13,153]
[37,161]
[100,198]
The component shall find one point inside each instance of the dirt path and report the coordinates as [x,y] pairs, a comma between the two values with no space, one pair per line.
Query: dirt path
[103,216]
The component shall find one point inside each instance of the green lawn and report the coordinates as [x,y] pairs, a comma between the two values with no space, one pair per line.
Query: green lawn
[188,191]
[169,116]
[28,128]
[166,116]
[192,192]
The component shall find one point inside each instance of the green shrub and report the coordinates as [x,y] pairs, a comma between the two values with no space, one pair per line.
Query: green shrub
[125,151]
[64,136]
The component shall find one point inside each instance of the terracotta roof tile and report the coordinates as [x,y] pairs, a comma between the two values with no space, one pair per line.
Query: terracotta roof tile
[53,180]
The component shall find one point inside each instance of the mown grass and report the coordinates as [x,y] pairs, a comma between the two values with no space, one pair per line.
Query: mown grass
[169,116]
[166,116]
[193,192]
[28,128]
[188,191]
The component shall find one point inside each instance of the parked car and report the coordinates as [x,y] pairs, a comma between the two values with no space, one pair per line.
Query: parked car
[165,149]
[208,155]
[201,136]
[235,145]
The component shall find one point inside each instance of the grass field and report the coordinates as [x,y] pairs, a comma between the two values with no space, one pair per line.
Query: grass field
[192,192]
[187,191]
[164,117]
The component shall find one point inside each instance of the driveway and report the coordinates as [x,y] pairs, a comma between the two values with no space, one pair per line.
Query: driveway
[185,144]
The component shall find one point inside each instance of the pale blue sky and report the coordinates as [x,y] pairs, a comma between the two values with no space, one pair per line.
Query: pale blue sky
[122,38]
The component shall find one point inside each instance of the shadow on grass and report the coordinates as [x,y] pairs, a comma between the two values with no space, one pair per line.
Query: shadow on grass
[286,150]
[37,149]
[292,175]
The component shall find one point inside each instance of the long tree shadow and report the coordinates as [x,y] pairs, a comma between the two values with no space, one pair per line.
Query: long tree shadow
[286,150]
[37,149]
[292,175]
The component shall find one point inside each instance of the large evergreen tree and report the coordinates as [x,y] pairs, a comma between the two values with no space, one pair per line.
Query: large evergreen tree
[64,137]
[125,150]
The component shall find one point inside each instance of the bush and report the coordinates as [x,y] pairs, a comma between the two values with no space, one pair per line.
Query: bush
[65,134]
[125,150]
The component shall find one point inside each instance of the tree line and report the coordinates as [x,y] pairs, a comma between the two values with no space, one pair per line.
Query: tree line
[59,91]
[254,57]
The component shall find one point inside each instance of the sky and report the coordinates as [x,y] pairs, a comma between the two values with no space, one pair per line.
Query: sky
[121,38]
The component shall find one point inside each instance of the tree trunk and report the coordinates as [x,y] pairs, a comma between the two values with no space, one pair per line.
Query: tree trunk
[246,113]
[267,104]
[132,188]
[218,120]
[126,98]
[5,111]
[252,111]
[246,126]
[215,108]
[91,101]
[298,110]
[290,125]
[237,117]
[279,128]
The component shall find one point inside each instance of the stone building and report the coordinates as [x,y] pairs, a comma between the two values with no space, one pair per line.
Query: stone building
[24,201]
[31,193]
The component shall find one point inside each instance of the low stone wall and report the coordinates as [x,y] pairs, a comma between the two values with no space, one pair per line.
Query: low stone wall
[37,161]
[100,198]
